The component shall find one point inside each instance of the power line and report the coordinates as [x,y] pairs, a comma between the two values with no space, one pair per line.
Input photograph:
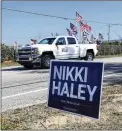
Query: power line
[65,18]
[116,34]
[34,13]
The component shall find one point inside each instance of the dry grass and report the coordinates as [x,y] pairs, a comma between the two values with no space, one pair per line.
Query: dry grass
[109,56]
[42,117]
[10,63]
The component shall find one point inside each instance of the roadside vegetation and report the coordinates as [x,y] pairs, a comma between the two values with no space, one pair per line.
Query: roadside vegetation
[110,49]
[10,63]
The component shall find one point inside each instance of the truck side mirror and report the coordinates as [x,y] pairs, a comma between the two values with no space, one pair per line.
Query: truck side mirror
[59,43]
[56,43]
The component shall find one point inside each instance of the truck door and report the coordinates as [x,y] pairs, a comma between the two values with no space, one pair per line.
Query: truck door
[61,49]
[73,47]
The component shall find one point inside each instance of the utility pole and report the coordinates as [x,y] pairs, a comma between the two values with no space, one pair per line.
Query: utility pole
[109,33]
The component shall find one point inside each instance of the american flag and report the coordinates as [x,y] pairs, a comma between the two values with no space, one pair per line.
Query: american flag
[73,28]
[88,28]
[80,23]
[82,26]
[69,32]
[78,17]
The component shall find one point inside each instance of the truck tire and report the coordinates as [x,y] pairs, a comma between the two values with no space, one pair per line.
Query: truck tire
[28,66]
[45,62]
[89,56]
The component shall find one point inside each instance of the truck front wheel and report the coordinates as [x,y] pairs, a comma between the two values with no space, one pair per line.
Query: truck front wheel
[46,61]
[89,56]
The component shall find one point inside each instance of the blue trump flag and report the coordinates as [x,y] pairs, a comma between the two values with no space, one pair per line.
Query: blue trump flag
[76,87]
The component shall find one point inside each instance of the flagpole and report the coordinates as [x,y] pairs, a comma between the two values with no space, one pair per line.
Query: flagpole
[77,27]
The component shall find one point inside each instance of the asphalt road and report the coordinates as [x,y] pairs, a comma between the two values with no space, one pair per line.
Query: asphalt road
[21,87]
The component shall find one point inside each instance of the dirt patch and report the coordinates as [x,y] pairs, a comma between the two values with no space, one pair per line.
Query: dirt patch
[42,117]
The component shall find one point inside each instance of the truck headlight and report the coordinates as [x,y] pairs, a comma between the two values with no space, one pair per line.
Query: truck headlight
[36,51]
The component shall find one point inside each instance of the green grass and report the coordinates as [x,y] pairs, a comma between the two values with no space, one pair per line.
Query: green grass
[8,127]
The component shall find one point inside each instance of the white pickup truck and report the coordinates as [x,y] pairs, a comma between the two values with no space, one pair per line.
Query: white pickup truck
[60,47]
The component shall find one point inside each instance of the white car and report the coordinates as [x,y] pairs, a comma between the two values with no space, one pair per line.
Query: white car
[60,47]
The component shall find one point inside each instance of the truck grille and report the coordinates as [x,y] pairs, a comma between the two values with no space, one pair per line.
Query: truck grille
[23,59]
[25,51]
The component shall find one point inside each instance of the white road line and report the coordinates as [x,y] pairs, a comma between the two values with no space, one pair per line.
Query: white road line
[24,93]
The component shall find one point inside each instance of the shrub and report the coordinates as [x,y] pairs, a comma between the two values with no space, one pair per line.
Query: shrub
[110,49]
[7,52]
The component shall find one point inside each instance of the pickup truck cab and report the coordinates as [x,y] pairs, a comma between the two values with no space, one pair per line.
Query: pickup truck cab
[60,47]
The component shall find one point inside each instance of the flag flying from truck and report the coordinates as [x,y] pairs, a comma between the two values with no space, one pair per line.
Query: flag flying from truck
[69,32]
[74,29]
[83,26]
[78,17]
[88,28]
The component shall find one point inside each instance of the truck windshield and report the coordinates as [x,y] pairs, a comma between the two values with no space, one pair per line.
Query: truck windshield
[47,41]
